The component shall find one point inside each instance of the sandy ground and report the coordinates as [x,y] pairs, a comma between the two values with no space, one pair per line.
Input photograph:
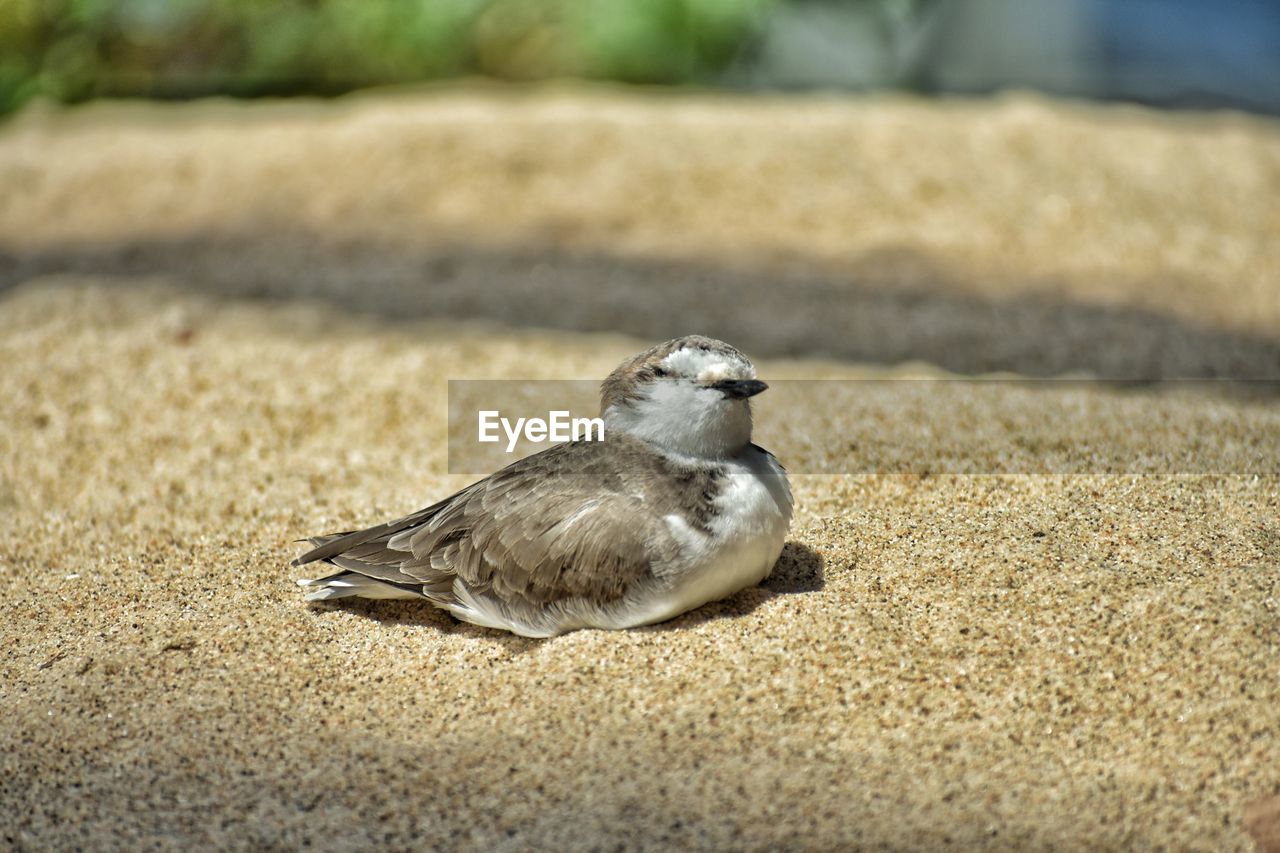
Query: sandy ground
[1088,656]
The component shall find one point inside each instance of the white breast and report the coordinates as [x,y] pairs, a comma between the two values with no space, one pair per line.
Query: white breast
[747,532]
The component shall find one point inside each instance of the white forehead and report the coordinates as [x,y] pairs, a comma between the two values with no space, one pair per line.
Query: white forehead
[706,365]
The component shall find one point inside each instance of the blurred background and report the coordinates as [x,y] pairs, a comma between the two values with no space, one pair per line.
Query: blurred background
[1197,53]
[806,178]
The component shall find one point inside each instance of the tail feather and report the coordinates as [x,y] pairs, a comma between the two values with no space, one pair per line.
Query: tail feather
[352,584]
[324,547]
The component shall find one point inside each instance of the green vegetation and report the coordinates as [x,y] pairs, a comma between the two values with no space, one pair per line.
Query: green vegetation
[72,50]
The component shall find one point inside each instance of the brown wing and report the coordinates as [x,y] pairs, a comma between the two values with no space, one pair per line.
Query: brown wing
[560,524]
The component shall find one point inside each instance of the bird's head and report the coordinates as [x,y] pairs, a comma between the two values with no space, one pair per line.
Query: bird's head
[689,396]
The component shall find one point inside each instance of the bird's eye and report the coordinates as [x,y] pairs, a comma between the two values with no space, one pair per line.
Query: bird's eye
[661,371]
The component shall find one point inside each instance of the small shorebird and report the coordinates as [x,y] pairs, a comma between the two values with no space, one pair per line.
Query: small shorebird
[673,508]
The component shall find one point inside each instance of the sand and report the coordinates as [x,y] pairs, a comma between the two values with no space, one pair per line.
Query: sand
[224,327]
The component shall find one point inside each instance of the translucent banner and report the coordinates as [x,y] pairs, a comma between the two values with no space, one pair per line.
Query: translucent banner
[922,426]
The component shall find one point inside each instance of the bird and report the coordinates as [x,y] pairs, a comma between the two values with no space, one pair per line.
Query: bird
[671,508]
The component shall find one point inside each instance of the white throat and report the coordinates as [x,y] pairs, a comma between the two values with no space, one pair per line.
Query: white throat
[684,420]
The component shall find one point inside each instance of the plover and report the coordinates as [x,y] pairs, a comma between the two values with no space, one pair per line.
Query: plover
[673,508]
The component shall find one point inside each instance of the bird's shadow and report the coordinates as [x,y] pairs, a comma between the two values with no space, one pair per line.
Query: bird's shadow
[799,569]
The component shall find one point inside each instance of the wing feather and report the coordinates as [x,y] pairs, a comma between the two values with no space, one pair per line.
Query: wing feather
[561,524]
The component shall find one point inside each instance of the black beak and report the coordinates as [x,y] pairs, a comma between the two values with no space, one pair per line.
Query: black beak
[740,389]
